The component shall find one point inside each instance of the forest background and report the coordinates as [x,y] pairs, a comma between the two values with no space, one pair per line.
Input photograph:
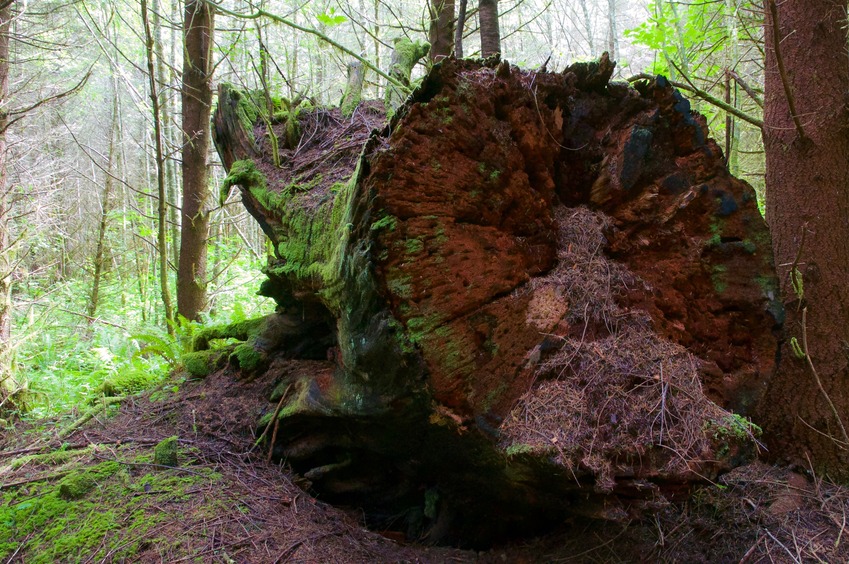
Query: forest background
[92,136]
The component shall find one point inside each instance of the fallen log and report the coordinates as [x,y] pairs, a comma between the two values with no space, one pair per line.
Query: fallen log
[532,295]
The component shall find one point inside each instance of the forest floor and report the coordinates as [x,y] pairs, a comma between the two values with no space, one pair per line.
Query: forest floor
[95,493]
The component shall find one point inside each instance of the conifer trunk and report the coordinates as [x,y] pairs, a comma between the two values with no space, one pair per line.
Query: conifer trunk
[162,207]
[490,32]
[807,207]
[7,384]
[197,103]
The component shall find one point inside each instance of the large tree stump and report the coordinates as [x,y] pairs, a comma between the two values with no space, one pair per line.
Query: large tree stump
[531,295]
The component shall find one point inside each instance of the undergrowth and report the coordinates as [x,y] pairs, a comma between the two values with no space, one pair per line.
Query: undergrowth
[66,359]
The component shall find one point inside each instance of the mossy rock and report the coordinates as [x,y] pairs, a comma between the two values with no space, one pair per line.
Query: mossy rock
[246,357]
[77,484]
[201,363]
[165,453]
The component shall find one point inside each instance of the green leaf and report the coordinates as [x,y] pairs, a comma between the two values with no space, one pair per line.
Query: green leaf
[330,19]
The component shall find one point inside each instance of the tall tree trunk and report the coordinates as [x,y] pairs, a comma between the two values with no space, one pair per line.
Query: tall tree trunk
[7,384]
[197,102]
[441,33]
[612,37]
[806,408]
[105,202]
[166,116]
[490,34]
[458,31]
[162,209]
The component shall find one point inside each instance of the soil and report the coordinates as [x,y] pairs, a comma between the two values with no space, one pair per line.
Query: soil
[260,512]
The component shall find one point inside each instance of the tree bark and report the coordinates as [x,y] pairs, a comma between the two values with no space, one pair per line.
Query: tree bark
[167,113]
[435,291]
[490,33]
[441,34]
[197,104]
[807,206]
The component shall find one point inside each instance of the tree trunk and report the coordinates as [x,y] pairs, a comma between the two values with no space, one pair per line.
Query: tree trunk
[588,26]
[454,278]
[105,206]
[169,138]
[405,55]
[490,33]
[353,89]
[441,33]
[612,37]
[197,104]
[458,31]
[7,383]
[807,206]
[162,204]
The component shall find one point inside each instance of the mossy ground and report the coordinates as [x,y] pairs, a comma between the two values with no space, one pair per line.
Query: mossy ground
[105,502]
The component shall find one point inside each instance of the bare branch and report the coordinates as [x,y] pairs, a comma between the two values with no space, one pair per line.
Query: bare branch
[20,112]
[776,40]
[713,100]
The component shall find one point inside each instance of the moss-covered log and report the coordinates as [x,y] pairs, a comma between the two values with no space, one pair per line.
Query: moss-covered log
[540,294]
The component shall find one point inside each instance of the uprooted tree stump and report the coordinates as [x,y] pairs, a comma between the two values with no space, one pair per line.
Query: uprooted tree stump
[529,296]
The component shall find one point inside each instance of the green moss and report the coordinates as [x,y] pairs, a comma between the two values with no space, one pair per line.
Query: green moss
[128,383]
[520,448]
[52,458]
[714,241]
[243,173]
[414,246]
[165,453]
[78,484]
[718,278]
[246,356]
[241,331]
[401,287]
[297,185]
[731,429]
[201,363]
[387,222]
[99,513]
[421,326]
